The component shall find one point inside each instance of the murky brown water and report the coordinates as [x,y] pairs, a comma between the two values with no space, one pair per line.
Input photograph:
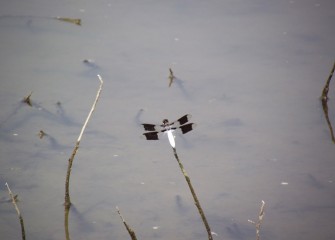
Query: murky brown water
[250,73]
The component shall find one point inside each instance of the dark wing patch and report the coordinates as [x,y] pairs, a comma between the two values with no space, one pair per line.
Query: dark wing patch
[151,135]
[149,127]
[187,127]
[184,119]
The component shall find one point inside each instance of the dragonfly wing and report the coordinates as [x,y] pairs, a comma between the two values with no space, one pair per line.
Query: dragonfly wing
[184,119]
[151,135]
[187,127]
[150,127]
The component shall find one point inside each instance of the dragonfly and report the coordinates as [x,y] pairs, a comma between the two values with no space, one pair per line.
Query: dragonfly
[154,131]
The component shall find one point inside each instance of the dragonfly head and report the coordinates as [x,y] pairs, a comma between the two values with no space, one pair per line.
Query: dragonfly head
[165,122]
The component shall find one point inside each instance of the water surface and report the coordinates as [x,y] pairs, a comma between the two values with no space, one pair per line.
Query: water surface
[250,73]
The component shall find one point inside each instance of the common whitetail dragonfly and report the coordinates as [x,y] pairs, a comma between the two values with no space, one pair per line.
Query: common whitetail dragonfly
[168,127]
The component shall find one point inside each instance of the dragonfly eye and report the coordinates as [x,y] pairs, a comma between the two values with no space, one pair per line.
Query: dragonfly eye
[165,121]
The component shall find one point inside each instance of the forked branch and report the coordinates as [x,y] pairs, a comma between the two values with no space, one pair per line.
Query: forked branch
[259,222]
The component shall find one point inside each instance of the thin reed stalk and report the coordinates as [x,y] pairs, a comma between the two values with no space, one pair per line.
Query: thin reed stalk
[196,201]
[324,95]
[67,202]
[23,233]
[130,231]
[324,100]
[66,223]
[68,174]
[259,221]
[325,111]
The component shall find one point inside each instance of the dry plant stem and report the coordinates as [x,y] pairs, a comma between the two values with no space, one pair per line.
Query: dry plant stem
[66,223]
[324,100]
[68,174]
[324,96]
[171,77]
[18,212]
[130,231]
[325,110]
[196,201]
[27,99]
[260,219]
[76,21]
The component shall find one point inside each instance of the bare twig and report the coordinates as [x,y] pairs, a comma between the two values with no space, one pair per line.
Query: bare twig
[41,134]
[67,182]
[171,77]
[325,110]
[130,231]
[324,100]
[260,219]
[14,200]
[27,99]
[324,96]
[66,223]
[196,201]
[259,222]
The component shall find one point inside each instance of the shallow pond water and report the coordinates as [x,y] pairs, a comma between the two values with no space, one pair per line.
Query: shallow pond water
[249,72]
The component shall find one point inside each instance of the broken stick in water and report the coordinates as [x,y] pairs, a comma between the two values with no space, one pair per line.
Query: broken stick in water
[259,222]
[324,96]
[171,77]
[14,200]
[196,201]
[130,231]
[324,99]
